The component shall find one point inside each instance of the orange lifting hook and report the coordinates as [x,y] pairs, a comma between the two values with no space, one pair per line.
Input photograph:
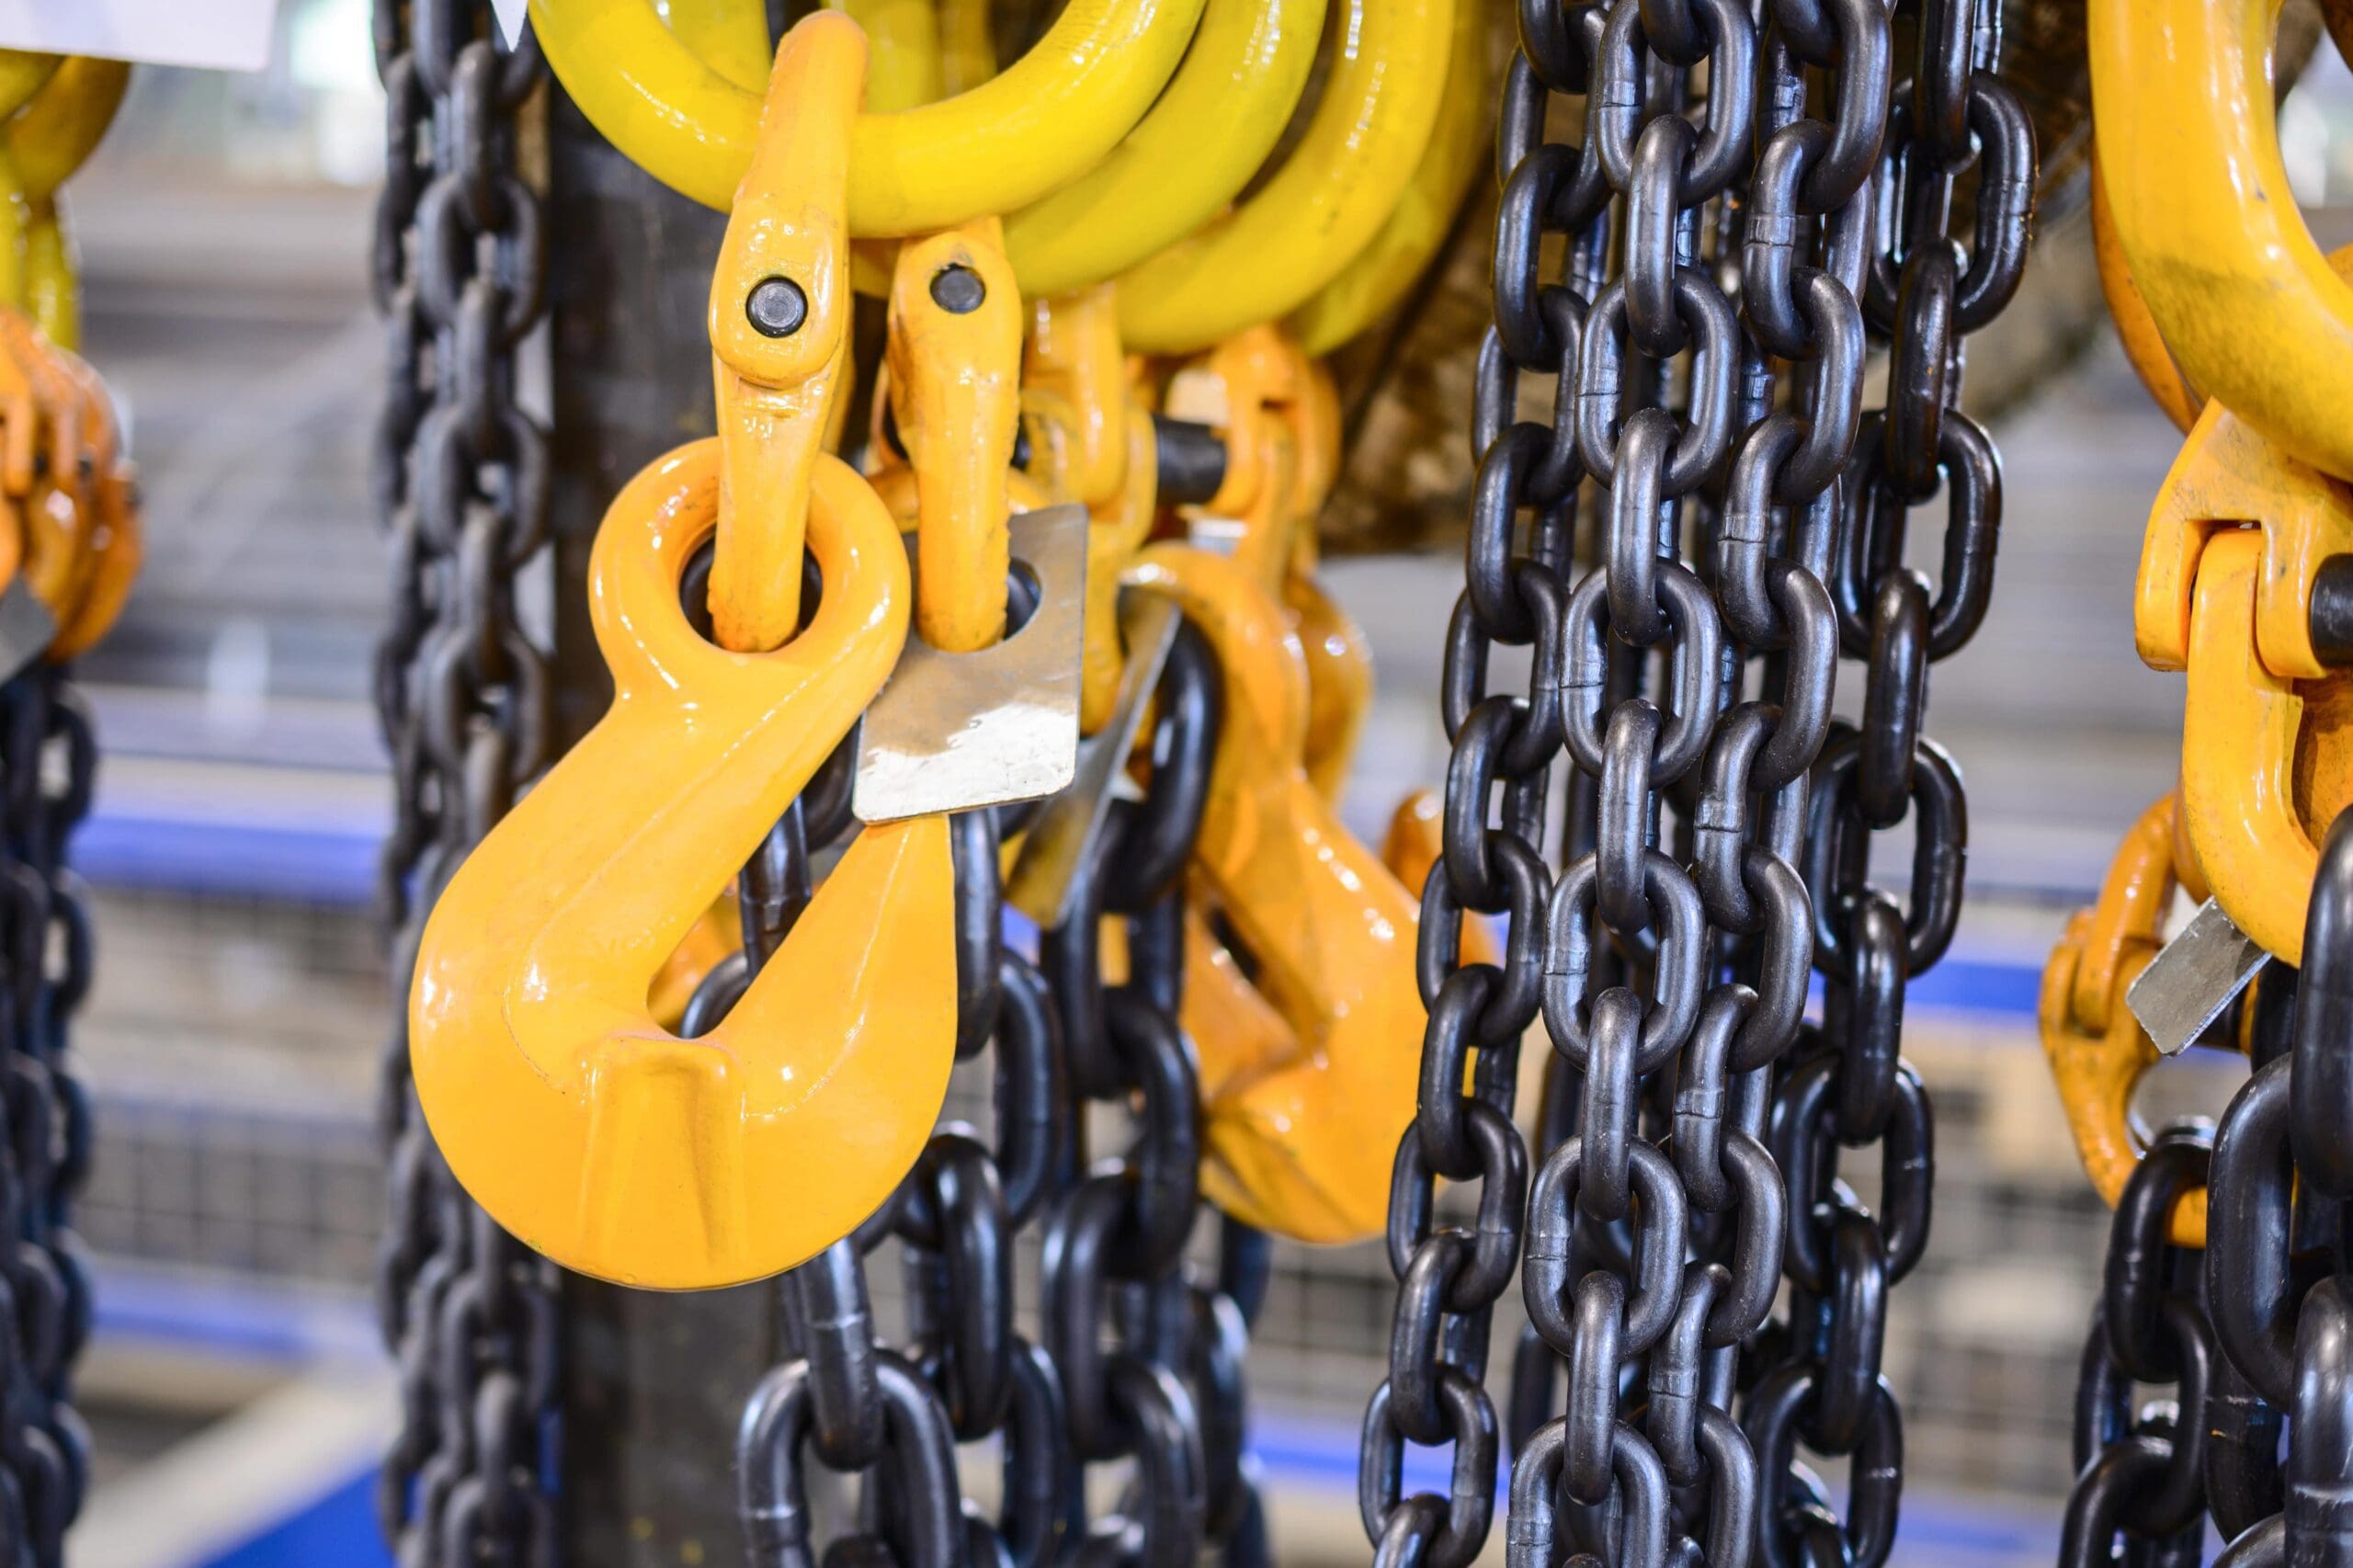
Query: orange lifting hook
[1300,1125]
[595,1135]
[2097,1049]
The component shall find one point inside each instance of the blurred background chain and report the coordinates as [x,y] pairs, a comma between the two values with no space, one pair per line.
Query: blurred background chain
[47,768]
[459,479]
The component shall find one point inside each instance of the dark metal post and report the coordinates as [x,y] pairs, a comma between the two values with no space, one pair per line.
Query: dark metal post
[652,1384]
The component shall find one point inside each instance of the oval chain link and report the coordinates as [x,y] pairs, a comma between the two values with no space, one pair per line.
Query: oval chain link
[458,474]
[1704,521]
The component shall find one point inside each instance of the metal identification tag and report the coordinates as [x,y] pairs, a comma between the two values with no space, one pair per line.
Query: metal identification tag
[26,627]
[1065,828]
[957,731]
[2193,978]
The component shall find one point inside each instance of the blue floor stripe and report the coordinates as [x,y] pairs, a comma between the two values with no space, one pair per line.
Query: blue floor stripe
[296,864]
[234,1320]
[1933,1532]
[338,869]
[338,1528]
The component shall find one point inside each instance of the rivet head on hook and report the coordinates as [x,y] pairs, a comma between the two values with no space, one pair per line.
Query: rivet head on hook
[958,289]
[776,307]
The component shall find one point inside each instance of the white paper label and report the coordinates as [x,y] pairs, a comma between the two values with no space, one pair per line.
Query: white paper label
[510,14]
[216,35]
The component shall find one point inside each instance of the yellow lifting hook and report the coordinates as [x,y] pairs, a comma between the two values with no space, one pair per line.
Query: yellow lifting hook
[2189,147]
[591,1133]
[2266,753]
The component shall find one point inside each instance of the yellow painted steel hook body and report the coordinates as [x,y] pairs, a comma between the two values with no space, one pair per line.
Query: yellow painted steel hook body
[1044,120]
[2235,543]
[111,540]
[585,1127]
[2189,147]
[1280,416]
[591,1133]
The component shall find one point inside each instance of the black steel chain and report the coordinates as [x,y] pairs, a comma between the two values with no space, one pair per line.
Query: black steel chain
[461,484]
[2143,1472]
[48,762]
[1149,1345]
[1752,193]
[1846,1087]
[897,1416]
[2279,1277]
[1167,1392]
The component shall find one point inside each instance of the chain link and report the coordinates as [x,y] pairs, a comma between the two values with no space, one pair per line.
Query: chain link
[1138,1360]
[2144,1473]
[2277,1298]
[896,1415]
[460,478]
[1754,201]
[48,762]
[1150,1346]
[1846,1087]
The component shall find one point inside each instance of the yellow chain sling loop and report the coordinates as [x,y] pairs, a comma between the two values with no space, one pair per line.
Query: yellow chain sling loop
[47,140]
[1316,213]
[1376,280]
[2189,148]
[1201,144]
[1029,130]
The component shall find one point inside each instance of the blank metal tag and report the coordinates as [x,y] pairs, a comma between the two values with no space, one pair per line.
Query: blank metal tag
[26,627]
[1065,830]
[2193,978]
[957,731]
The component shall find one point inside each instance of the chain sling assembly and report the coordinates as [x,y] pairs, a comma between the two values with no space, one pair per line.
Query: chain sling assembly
[2225,1275]
[647,1170]
[1754,194]
[1232,724]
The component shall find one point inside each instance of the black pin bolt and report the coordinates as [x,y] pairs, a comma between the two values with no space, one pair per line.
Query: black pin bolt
[776,307]
[958,289]
[2330,614]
